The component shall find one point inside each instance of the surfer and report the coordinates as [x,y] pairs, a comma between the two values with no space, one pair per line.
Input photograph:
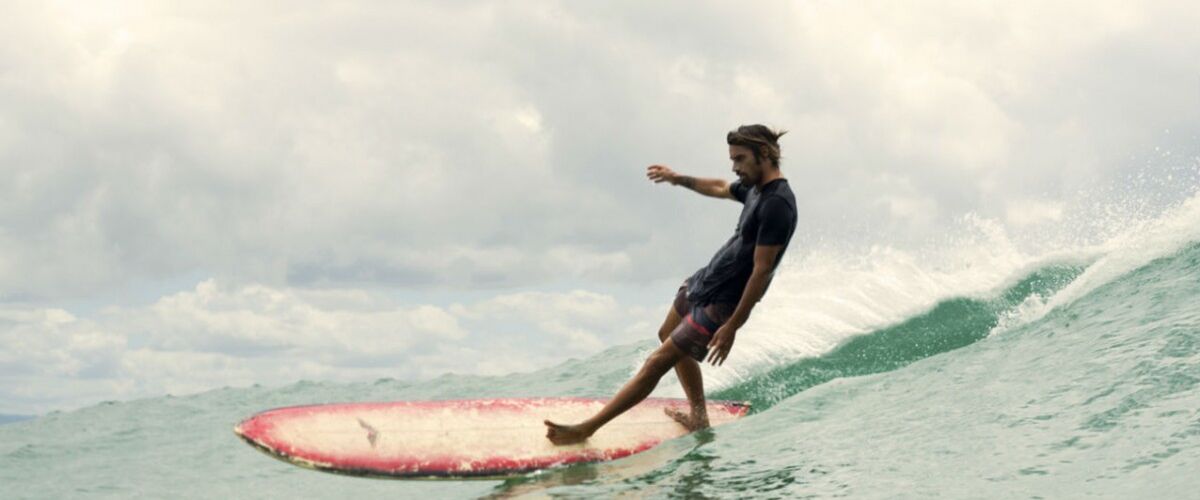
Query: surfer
[712,304]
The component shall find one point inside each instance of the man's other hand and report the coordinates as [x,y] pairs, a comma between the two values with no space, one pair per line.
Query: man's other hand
[661,173]
[721,344]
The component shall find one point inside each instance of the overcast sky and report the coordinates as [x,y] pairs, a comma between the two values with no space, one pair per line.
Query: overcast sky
[194,196]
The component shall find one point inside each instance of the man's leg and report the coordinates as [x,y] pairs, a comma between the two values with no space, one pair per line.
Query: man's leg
[634,391]
[688,371]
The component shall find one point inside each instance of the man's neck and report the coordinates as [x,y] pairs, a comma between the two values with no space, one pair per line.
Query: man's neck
[767,177]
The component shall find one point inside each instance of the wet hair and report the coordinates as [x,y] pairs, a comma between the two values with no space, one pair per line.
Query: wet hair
[759,139]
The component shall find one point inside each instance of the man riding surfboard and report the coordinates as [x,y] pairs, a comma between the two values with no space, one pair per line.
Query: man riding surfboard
[716,300]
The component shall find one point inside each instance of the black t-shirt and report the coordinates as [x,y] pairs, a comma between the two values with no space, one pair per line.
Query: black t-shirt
[768,218]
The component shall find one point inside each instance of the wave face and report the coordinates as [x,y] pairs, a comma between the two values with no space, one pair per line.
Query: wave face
[951,324]
[1071,380]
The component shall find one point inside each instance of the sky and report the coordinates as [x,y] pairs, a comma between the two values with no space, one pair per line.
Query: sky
[195,196]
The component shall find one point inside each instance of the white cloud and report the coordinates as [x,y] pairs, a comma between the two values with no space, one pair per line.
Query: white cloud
[529,118]
[314,160]
[216,335]
[355,144]
[53,341]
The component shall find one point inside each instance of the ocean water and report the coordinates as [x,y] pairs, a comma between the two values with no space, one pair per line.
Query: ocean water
[1068,376]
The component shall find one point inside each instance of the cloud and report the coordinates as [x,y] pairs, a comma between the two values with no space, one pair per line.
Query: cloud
[314,160]
[51,341]
[453,145]
[223,335]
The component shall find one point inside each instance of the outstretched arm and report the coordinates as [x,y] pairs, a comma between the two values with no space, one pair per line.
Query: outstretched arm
[716,188]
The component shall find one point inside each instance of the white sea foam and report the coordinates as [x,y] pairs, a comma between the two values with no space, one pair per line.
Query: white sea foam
[822,297]
[1140,242]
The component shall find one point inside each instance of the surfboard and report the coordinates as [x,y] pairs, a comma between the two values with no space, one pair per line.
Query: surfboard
[476,438]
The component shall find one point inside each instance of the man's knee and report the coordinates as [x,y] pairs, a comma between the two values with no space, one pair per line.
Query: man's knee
[664,333]
[661,360]
[669,325]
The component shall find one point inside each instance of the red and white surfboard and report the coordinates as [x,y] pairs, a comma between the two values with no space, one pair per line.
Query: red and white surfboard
[462,438]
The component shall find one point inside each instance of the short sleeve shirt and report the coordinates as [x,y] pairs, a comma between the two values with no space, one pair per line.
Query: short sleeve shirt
[768,218]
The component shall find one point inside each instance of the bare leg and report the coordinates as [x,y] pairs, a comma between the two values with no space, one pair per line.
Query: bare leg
[688,371]
[634,391]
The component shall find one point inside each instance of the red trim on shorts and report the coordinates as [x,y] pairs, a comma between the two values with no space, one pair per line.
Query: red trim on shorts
[697,326]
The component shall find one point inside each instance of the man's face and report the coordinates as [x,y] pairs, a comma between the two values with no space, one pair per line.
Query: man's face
[747,169]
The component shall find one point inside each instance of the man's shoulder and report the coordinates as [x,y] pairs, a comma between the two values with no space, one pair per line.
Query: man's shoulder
[779,186]
[779,196]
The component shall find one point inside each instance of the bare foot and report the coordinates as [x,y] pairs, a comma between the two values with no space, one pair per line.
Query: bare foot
[690,422]
[565,434]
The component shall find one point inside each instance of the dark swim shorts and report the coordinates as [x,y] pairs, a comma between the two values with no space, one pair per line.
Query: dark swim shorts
[699,323]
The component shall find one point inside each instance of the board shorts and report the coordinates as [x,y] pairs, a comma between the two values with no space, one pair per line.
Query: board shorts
[700,323]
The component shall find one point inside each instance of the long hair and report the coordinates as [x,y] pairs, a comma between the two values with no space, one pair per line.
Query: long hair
[759,139]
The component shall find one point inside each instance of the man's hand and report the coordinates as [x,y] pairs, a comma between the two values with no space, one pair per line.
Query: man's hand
[721,343]
[764,264]
[716,188]
[661,173]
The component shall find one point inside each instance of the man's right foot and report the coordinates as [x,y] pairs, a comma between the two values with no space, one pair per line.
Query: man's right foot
[560,434]
[689,421]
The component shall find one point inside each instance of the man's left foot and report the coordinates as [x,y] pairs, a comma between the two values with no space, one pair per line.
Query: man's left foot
[691,422]
[565,434]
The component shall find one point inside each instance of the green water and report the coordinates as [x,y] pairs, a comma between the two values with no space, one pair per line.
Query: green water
[1098,397]
[950,325]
